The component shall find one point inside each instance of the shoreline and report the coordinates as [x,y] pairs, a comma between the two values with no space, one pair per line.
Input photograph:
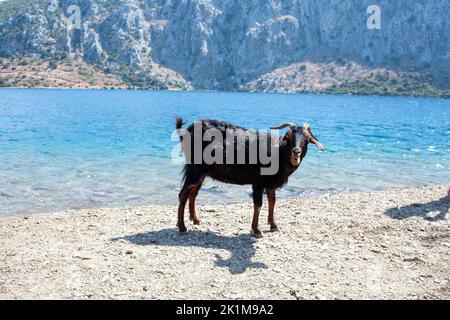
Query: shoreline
[371,245]
[201,202]
[235,91]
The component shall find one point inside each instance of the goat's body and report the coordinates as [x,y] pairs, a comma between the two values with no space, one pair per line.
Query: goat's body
[239,174]
[248,173]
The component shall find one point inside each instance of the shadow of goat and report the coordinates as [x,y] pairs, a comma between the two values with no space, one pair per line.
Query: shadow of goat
[241,247]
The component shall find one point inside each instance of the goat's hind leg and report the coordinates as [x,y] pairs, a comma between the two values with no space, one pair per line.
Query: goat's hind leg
[192,178]
[183,197]
[192,196]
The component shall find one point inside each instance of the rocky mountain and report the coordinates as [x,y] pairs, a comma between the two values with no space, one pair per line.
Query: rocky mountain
[256,45]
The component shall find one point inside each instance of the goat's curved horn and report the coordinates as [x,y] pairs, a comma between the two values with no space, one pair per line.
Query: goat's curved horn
[288,124]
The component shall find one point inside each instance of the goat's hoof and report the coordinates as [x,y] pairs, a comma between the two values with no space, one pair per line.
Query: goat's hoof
[257,234]
[196,221]
[274,229]
[182,230]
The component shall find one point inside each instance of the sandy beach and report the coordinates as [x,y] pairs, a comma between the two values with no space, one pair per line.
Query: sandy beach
[384,245]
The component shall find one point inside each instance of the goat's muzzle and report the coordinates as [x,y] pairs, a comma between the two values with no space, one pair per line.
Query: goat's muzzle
[295,156]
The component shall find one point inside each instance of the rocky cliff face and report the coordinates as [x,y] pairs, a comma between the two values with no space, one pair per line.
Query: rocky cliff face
[227,44]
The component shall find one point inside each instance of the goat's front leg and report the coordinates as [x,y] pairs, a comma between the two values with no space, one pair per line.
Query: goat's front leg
[272,199]
[257,202]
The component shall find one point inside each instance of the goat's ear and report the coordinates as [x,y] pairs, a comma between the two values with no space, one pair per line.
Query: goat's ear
[287,136]
[313,138]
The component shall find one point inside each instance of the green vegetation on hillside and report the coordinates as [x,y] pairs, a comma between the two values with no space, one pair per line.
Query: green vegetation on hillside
[11,8]
[387,84]
[33,72]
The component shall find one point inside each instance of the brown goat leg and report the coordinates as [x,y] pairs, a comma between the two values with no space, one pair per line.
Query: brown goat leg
[192,196]
[184,194]
[181,226]
[272,199]
[258,192]
[255,230]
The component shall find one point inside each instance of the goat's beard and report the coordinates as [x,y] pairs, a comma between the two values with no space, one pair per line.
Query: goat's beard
[295,160]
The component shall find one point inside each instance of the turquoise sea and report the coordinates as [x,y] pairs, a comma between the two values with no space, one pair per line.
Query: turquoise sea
[63,149]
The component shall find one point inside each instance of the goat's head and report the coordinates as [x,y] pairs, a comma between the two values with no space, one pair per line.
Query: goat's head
[297,138]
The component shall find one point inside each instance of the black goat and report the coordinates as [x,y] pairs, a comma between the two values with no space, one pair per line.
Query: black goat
[288,151]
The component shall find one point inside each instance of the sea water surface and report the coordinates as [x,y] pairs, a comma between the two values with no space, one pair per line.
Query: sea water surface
[62,149]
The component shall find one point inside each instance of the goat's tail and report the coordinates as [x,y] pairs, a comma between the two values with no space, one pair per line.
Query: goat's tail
[180,122]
